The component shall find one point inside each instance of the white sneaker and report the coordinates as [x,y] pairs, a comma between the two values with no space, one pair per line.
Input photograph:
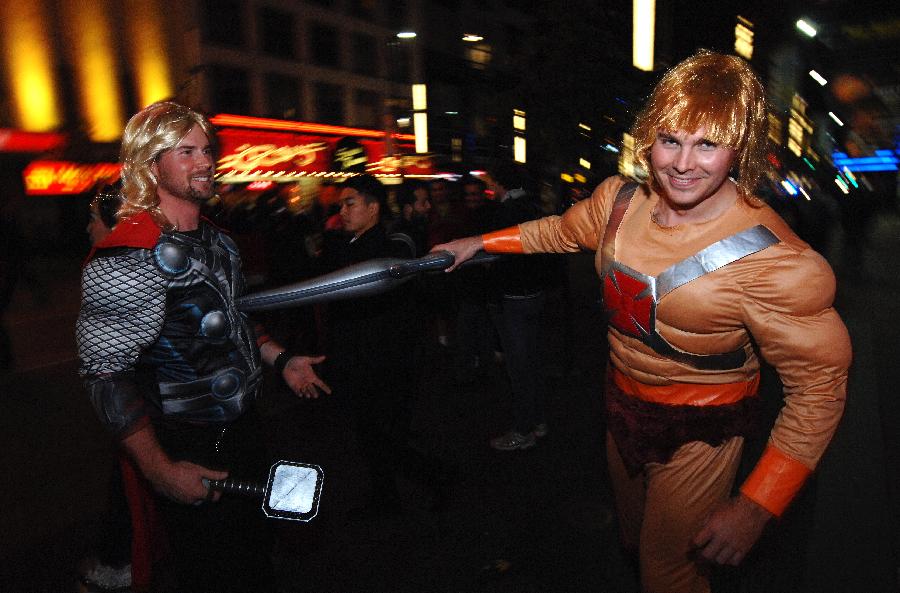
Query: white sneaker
[512,441]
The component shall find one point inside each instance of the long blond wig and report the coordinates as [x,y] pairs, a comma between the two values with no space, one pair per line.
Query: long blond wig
[719,92]
[148,134]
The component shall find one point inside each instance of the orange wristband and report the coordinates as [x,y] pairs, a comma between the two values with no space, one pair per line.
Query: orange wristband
[505,240]
[775,480]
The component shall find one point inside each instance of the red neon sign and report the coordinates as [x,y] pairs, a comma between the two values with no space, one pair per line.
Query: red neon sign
[44,178]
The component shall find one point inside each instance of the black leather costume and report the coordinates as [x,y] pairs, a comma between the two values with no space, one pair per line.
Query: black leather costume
[159,335]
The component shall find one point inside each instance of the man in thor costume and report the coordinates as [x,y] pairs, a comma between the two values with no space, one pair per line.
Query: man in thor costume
[700,279]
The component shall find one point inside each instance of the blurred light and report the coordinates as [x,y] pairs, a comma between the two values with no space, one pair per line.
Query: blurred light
[743,38]
[263,123]
[260,185]
[644,22]
[818,77]
[850,177]
[451,113]
[580,178]
[420,127]
[518,122]
[585,127]
[610,148]
[806,28]
[842,184]
[146,42]
[584,163]
[96,63]
[884,160]
[803,191]
[835,118]
[27,46]
[406,35]
[519,149]
[566,177]
[789,187]
[403,121]
[419,97]
[477,173]
[808,164]
[471,37]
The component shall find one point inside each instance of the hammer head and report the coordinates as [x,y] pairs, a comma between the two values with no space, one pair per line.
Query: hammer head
[293,491]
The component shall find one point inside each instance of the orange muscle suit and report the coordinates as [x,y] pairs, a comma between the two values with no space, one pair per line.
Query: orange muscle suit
[779,296]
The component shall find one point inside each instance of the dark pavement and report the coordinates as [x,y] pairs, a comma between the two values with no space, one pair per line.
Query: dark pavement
[538,520]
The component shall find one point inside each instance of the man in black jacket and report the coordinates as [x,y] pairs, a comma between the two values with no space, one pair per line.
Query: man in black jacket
[519,285]
[373,343]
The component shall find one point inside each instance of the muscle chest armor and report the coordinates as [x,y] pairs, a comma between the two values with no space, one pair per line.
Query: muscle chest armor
[631,297]
[204,360]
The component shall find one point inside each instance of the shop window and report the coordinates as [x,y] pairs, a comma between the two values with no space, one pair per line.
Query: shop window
[324,46]
[276,32]
[329,103]
[284,98]
[222,22]
[229,89]
[365,54]
[363,9]
[368,109]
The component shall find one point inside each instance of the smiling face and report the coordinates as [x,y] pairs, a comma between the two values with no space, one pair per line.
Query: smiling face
[692,172]
[186,171]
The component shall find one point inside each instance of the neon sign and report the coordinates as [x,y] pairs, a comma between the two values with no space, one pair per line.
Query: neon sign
[44,178]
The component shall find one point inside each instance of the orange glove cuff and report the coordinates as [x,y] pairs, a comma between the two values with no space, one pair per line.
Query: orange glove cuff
[775,481]
[505,240]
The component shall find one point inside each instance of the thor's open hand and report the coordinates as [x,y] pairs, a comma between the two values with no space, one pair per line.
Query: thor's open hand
[302,379]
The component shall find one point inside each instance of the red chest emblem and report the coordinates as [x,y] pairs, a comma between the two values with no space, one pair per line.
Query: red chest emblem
[629,302]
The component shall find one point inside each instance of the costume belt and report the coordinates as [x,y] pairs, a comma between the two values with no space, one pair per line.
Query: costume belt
[687,394]
[217,397]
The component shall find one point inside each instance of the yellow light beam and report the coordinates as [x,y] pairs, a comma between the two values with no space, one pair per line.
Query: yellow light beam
[148,51]
[29,67]
[644,24]
[94,58]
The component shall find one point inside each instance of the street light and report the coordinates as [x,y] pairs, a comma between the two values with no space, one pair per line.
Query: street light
[406,35]
[806,28]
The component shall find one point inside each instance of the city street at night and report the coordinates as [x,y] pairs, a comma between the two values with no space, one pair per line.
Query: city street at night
[534,520]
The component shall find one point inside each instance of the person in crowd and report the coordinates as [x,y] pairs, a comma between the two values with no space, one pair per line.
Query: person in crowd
[108,566]
[701,280]
[517,303]
[171,366]
[373,344]
[103,213]
[415,204]
[445,222]
[476,339]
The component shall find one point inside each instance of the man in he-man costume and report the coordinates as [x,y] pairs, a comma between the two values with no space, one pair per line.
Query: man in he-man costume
[171,366]
[700,278]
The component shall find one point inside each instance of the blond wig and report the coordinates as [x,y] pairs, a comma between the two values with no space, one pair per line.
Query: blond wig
[718,92]
[148,134]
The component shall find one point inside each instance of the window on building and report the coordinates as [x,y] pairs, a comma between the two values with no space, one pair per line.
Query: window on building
[222,22]
[365,54]
[329,103]
[368,109]
[324,45]
[283,93]
[229,89]
[399,59]
[276,32]
[364,9]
